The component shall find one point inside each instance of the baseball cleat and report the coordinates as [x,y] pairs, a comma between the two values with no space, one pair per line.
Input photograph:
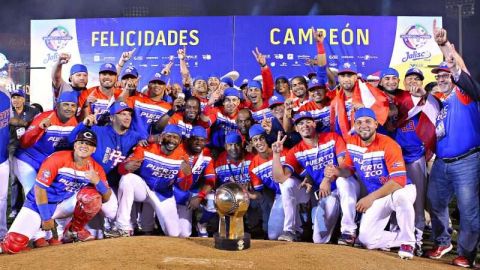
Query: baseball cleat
[346,239]
[287,237]
[438,251]
[463,261]
[406,252]
[114,233]
[40,242]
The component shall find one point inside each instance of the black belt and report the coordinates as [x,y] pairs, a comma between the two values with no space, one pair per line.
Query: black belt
[457,158]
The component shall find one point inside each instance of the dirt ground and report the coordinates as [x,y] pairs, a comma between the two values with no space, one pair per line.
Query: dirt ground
[155,252]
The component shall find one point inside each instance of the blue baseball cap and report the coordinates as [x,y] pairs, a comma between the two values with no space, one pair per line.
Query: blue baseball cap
[232,92]
[119,106]
[254,84]
[228,81]
[314,84]
[415,71]
[389,72]
[18,92]
[282,77]
[68,96]
[199,78]
[276,100]
[157,77]
[348,68]
[302,115]
[365,112]
[108,67]
[131,70]
[233,137]
[244,83]
[172,129]
[442,67]
[256,130]
[213,75]
[198,131]
[78,68]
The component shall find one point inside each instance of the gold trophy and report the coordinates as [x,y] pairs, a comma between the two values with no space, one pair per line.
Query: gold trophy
[231,201]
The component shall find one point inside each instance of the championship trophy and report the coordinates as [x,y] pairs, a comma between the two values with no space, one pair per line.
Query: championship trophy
[231,201]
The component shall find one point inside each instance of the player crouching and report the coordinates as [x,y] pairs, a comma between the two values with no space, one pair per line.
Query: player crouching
[68,183]
[378,162]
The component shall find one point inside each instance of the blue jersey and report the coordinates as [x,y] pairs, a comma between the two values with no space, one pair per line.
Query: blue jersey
[407,138]
[221,124]
[4,126]
[304,159]
[146,113]
[37,144]
[112,148]
[457,125]
[62,179]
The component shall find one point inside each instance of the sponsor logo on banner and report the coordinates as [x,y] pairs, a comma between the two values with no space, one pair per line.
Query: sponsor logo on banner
[278,56]
[415,37]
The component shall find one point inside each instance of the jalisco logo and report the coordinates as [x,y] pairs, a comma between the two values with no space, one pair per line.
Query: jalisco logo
[415,37]
[58,38]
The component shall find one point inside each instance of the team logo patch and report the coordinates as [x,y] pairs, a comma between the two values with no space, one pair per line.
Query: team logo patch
[397,164]
[45,175]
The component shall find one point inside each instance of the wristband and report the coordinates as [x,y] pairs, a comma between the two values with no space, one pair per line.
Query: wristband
[44,212]
[202,194]
[320,48]
[264,65]
[170,112]
[101,187]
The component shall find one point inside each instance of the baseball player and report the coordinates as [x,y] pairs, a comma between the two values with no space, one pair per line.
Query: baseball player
[318,106]
[158,168]
[283,220]
[311,156]
[378,161]
[78,78]
[96,100]
[68,183]
[4,165]
[203,182]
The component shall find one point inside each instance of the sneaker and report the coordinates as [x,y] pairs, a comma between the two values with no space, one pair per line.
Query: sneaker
[82,236]
[462,261]
[287,236]
[406,252]
[202,230]
[114,233]
[346,239]
[40,242]
[438,251]
[418,250]
[54,241]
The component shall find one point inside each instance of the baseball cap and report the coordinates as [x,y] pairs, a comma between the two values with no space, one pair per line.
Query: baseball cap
[415,71]
[78,68]
[119,106]
[314,84]
[199,78]
[232,92]
[254,84]
[198,131]
[442,67]
[365,112]
[87,136]
[108,67]
[301,115]
[255,130]
[348,68]
[228,81]
[276,100]
[389,72]
[157,77]
[233,137]
[213,75]
[68,96]
[373,77]
[18,92]
[132,71]
[282,77]
[172,129]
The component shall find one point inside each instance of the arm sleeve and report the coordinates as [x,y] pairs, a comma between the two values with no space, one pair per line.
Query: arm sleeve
[34,132]
[467,84]
[395,163]
[256,182]
[268,83]
[291,162]
[48,171]
[340,147]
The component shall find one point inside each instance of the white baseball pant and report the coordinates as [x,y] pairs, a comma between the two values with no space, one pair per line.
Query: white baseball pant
[372,226]
[341,200]
[4,172]
[133,188]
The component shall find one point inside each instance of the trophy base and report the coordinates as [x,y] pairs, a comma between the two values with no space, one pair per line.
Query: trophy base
[232,244]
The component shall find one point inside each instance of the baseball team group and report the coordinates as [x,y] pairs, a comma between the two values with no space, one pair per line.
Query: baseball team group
[333,150]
